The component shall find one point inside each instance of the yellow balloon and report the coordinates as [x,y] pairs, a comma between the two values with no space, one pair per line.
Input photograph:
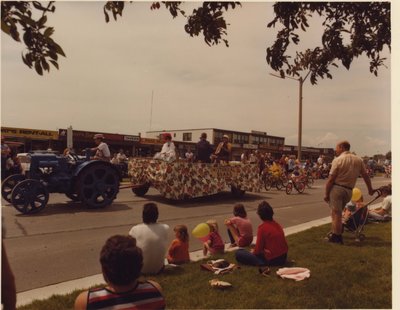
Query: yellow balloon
[201,230]
[356,194]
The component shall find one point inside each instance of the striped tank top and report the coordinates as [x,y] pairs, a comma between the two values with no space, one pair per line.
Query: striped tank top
[144,296]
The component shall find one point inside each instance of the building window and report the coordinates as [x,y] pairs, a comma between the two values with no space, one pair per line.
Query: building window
[187,136]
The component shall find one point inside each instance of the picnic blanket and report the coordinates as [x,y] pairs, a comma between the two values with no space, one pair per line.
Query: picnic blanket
[295,273]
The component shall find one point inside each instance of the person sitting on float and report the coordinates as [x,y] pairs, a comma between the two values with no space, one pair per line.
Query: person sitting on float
[168,152]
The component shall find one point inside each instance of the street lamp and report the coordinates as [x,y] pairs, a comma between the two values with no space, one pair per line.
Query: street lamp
[301,80]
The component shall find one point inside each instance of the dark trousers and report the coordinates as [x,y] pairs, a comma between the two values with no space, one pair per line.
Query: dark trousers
[247,258]
[231,237]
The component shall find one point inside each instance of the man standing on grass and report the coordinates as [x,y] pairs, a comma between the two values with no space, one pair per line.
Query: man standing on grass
[346,168]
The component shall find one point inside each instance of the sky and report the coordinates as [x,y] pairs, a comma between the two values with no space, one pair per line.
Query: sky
[144,72]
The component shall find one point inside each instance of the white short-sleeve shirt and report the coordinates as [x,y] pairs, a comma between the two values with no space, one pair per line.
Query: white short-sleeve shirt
[103,148]
[153,240]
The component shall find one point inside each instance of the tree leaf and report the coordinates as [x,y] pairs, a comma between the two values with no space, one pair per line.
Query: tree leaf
[106,15]
[55,64]
[52,54]
[5,28]
[58,49]
[14,33]
[42,21]
[25,61]
[48,32]
[45,65]
[38,68]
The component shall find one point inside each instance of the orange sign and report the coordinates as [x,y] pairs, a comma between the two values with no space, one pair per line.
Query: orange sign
[38,134]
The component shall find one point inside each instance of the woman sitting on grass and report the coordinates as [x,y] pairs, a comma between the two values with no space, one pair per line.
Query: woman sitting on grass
[240,230]
[271,246]
[121,262]
[178,252]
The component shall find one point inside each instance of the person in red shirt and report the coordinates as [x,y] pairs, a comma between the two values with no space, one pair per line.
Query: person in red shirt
[178,252]
[271,247]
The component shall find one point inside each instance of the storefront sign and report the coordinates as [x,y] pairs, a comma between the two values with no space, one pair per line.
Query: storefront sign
[37,134]
[150,141]
[250,146]
[306,149]
[132,138]
[79,135]
[269,147]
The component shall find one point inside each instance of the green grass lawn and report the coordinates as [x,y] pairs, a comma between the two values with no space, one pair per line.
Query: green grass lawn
[355,275]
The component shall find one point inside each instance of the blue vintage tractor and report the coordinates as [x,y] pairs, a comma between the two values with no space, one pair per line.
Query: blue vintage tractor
[95,183]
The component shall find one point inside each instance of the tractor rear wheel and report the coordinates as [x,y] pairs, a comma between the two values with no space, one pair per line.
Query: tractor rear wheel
[8,185]
[98,185]
[29,196]
[142,190]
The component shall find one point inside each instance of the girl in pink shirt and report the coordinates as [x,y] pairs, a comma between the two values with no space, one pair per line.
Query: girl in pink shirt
[214,243]
[240,230]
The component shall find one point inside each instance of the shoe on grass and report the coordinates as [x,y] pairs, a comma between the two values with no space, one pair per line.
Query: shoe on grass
[336,239]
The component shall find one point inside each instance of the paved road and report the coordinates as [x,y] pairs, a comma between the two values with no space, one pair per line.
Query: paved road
[63,241]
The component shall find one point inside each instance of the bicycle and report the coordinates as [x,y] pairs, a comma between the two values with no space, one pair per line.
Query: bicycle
[270,180]
[307,179]
[297,184]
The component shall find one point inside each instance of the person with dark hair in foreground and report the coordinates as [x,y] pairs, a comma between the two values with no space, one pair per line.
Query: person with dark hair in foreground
[152,238]
[271,247]
[121,263]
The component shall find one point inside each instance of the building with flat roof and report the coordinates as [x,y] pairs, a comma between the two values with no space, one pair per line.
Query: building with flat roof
[241,141]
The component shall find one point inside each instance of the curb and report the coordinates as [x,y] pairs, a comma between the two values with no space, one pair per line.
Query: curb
[28,297]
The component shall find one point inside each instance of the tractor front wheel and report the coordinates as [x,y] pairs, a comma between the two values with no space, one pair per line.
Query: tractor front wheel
[29,196]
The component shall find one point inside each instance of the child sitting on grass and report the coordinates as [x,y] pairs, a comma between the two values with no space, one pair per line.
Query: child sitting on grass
[178,252]
[214,244]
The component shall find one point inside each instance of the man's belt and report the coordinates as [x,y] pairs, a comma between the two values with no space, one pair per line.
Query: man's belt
[346,187]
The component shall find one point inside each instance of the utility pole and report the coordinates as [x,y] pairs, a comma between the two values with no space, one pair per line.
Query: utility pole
[301,81]
[151,109]
[300,128]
